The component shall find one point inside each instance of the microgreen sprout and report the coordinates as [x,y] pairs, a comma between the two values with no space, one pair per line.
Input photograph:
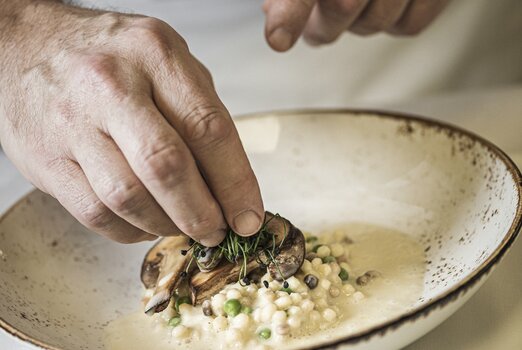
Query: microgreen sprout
[240,250]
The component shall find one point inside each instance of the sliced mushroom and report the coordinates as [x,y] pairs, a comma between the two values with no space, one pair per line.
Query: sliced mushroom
[291,251]
[162,270]
[203,285]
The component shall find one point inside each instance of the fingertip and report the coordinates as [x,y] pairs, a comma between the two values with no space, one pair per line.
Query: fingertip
[265,7]
[247,223]
[213,239]
[281,40]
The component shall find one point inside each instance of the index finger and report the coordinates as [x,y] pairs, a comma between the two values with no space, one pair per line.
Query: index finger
[285,21]
[165,166]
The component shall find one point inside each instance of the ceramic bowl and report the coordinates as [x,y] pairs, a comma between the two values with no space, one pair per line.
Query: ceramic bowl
[455,193]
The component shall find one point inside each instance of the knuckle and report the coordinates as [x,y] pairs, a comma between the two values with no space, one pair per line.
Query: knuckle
[207,125]
[113,21]
[239,186]
[100,73]
[157,36]
[125,197]
[162,161]
[205,72]
[151,25]
[94,214]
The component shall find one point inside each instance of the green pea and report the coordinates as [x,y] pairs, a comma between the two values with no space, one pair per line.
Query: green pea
[175,321]
[311,239]
[265,333]
[232,307]
[182,300]
[316,247]
[246,309]
[343,275]
[329,259]
[288,290]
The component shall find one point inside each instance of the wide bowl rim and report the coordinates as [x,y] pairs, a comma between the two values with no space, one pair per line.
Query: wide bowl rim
[423,310]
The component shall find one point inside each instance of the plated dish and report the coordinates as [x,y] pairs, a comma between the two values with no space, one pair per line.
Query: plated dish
[455,196]
[352,278]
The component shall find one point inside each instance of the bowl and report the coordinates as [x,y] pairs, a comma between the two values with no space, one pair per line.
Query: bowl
[455,193]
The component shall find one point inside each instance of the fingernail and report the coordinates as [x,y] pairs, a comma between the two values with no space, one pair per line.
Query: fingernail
[281,39]
[213,239]
[247,222]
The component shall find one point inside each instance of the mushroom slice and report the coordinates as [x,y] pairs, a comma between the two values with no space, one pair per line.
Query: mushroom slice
[203,285]
[291,247]
[162,269]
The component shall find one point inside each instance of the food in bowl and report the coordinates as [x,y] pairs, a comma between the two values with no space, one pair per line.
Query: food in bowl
[348,277]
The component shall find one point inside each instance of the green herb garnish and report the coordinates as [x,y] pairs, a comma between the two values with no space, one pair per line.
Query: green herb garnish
[240,250]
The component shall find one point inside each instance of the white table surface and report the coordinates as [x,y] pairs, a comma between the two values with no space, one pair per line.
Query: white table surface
[492,319]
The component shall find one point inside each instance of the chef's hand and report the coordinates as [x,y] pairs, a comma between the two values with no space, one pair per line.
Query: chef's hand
[113,116]
[323,21]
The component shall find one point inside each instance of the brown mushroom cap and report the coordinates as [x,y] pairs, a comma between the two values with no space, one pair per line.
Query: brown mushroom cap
[292,251]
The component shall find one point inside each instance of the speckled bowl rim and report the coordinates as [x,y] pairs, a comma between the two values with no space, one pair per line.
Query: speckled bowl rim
[421,311]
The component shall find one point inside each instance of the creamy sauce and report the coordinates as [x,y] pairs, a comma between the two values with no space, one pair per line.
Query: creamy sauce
[398,257]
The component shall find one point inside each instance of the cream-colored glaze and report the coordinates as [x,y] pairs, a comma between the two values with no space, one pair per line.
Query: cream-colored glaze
[397,256]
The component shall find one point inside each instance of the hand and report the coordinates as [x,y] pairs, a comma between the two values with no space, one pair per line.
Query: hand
[323,21]
[113,116]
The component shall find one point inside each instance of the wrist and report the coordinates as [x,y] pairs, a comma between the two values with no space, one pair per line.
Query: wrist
[23,22]
[20,38]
